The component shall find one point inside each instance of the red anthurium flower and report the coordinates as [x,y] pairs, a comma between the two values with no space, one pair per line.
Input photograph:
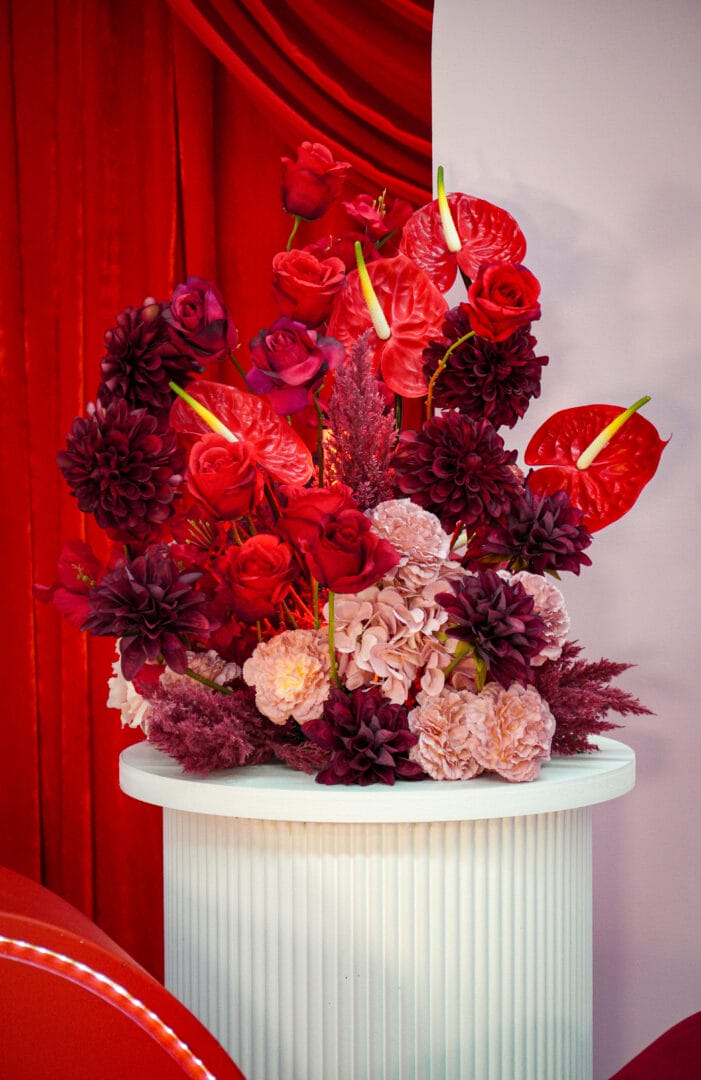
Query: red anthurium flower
[607,488]
[487,234]
[414,310]
[271,440]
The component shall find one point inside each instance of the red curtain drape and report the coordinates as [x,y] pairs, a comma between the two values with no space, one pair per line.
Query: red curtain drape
[141,143]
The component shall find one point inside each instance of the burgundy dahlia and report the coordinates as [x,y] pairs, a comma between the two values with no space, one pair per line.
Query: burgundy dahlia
[457,468]
[491,379]
[497,618]
[124,468]
[152,607]
[368,737]
[540,533]
[141,358]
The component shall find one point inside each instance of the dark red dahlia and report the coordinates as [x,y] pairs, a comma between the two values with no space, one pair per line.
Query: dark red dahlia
[491,379]
[457,468]
[497,618]
[123,467]
[152,607]
[368,737]
[540,532]
[141,358]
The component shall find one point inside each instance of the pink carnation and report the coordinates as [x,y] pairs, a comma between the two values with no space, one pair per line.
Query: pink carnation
[443,749]
[290,674]
[550,605]
[510,730]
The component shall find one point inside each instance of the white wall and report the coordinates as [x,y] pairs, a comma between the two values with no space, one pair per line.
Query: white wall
[582,119]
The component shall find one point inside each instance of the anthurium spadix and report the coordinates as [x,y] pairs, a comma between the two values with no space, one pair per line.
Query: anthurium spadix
[601,455]
[275,446]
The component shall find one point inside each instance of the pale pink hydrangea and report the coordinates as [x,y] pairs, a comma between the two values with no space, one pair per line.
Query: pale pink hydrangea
[290,673]
[419,538]
[550,605]
[510,730]
[443,749]
[124,696]
[210,665]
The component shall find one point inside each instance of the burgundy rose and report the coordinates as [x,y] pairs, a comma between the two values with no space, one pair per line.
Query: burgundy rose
[199,320]
[379,217]
[304,286]
[347,556]
[312,182]
[289,362]
[223,475]
[307,507]
[503,297]
[257,575]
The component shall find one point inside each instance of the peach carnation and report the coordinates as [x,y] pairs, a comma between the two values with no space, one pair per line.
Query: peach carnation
[510,730]
[419,538]
[550,605]
[290,673]
[443,749]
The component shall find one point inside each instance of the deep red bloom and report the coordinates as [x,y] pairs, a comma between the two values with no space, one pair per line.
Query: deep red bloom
[198,319]
[306,508]
[312,182]
[346,556]
[79,569]
[379,217]
[368,737]
[288,363]
[539,533]
[257,576]
[343,248]
[502,298]
[223,475]
[304,286]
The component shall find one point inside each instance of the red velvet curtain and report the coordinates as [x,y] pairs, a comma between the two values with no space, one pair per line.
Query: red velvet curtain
[141,142]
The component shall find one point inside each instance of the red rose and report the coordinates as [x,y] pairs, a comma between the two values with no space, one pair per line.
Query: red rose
[288,362]
[304,286]
[503,297]
[199,320]
[307,507]
[223,475]
[346,556]
[312,182]
[257,576]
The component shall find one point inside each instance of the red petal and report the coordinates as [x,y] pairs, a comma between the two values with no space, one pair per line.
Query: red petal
[607,489]
[273,443]
[414,309]
[488,234]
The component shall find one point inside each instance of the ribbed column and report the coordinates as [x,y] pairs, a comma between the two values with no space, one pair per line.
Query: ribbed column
[437,951]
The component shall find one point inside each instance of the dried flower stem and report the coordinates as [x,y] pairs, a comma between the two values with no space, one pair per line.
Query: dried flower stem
[441,366]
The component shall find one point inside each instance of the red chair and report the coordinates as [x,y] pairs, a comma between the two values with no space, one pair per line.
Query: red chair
[73,1004]
[676,1055]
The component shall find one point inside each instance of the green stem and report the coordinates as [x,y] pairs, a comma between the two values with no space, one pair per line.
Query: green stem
[294,232]
[398,411]
[315,603]
[206,682]
[441,365]
[237,364]
[319,438]
[462,649]
[332,647]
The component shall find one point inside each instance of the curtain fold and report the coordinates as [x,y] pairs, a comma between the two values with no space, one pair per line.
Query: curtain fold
[134,156]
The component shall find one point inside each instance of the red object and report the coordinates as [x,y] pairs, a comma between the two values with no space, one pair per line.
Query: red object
[608,488]
[76,1005]
[676,1055]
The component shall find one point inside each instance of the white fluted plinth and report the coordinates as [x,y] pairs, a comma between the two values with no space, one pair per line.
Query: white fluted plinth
[426,932]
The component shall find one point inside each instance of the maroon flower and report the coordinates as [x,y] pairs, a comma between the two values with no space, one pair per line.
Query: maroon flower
[223,475]
[347,556]
[289,362]
[368,737]
[312,182]
[152,607]
[198,320]
[306,508]
[257,576]
[498,620]
[540,533]
[503,297]
[457,468]
[141,358]
[124,468]
[304,286]
[494,380]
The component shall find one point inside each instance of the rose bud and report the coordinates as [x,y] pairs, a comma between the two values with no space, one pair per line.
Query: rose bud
[312,182]
[223,475]
[257,576]
[199,320]
[304,286]
[503,297]
[288,362]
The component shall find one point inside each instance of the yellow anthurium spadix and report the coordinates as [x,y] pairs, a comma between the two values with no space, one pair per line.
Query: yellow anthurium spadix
[379,321]
[452,239]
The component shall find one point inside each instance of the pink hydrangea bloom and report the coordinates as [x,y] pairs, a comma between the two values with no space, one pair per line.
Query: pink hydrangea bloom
[419,538]
[550,605]
[510,730]
[124,696]
[443,749]
[290,674]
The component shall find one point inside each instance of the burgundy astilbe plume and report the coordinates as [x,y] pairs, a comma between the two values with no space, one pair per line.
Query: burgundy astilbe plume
[362,431]
[579,696]
[491,379]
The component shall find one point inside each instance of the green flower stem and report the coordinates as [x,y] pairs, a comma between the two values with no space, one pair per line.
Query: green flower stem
[462,650]
[206,682]
[272,500]
[237,364]
[315,603]
[319,437]
[398,411]
[294,232]
[441,365]
[332,647]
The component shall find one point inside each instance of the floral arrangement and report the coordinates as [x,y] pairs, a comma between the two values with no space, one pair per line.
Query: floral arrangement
[335,562]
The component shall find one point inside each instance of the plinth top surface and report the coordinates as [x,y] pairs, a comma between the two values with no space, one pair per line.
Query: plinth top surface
[275,792]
